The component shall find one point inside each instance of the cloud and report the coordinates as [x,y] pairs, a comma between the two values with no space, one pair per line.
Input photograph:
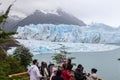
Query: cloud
[105,11]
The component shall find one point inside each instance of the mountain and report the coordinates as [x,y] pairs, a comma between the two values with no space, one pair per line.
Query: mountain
[42,17]
[59,17]
[69,33]
[100,26]
[11,23]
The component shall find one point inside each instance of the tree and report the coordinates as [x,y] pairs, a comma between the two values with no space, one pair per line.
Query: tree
[4,36]
[58,58]
[62,56]
[2,54]
[23,54]
[8,63]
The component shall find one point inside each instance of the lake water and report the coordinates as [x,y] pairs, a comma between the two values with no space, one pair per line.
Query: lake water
[106,62]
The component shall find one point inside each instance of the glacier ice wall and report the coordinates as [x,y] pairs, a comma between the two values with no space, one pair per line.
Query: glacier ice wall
[95,33]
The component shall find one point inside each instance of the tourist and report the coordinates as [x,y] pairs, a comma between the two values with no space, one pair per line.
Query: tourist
[58,76]
[54,71]
[34,72]
[66,72]
[50,66]
[93,75]
[79,75]
[69,64]
[44,70]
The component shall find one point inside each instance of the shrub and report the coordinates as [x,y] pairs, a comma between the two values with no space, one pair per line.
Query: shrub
[23,54]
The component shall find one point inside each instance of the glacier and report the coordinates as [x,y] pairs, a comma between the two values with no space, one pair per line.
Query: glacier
[38,47]
[95,33]
[50,38]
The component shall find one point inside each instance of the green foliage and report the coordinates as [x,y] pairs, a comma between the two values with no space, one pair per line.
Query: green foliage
[14,78]
[3,18]
[62,55]
[5,35]
[8,63]
[5,78]
[15,65]
[4,68]
[2,54]
[20,78]
[8,66]
[57,58]
[23,54]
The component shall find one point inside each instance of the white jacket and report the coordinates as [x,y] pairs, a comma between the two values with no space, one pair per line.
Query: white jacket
[34,73]
[92,77]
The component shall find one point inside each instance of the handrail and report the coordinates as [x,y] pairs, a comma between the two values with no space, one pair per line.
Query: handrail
[18,74]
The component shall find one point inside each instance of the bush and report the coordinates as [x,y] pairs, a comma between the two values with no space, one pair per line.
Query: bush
[10,66]
[23,54]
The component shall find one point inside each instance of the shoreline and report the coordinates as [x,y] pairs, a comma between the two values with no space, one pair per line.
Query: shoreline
[96,52]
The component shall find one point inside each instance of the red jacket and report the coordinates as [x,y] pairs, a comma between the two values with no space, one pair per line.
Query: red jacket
[67,75]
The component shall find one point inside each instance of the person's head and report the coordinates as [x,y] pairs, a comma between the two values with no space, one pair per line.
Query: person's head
[43,64]
[35,62]
[58,72]
[93,70]
[69,67]
[80,67]
[64,66]
[69,61]
[54,69]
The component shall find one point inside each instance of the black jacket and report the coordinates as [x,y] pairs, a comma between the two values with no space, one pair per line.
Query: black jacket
[79,75]
[57,78]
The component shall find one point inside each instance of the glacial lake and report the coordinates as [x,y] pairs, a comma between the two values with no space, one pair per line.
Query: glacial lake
[106,62]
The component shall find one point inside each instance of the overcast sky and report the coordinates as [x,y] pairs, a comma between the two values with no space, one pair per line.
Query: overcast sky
[100,11]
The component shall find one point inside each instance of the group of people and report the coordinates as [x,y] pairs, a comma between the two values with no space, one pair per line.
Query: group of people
[64,72]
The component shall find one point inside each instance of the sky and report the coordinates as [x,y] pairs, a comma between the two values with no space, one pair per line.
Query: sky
[89,11]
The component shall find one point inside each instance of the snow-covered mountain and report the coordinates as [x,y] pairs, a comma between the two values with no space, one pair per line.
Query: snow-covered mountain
[54,17]
[95,33]
[42,17]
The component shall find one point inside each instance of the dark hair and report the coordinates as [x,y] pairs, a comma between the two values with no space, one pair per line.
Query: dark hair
[69,67]
[79,66]
[34,61]
[93,70]
[58,72]
[69,61]
[64,66]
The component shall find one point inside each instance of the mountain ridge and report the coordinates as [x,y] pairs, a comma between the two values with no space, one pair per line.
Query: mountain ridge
[39,17]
